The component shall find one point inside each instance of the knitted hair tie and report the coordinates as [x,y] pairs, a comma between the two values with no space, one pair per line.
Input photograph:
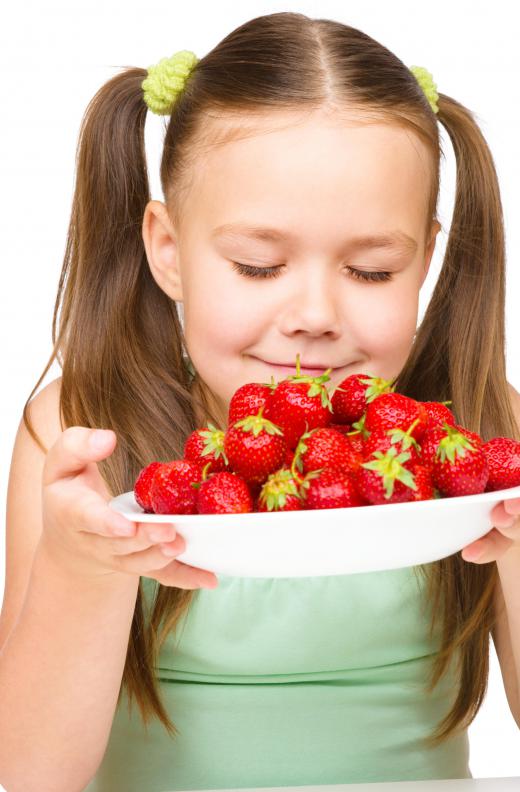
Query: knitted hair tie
[166,80]
[425,80]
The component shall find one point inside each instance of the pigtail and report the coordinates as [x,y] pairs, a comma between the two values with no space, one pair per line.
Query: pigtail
[459,354]
[119,339]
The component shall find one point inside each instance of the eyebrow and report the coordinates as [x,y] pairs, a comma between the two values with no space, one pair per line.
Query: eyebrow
[396,238]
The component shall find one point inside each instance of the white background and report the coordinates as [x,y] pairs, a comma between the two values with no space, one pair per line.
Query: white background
[55,55]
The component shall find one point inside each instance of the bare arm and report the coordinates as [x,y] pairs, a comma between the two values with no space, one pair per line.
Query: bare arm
[64,658]
[71,587]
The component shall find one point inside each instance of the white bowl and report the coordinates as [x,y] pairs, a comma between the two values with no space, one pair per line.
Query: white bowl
[327,541]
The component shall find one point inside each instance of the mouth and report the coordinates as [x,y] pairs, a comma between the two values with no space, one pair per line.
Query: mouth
[314,370]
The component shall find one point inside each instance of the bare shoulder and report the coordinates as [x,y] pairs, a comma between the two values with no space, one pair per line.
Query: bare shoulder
[23,508]
[44,414]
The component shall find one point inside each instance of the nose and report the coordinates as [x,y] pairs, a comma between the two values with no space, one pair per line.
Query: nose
[312,303]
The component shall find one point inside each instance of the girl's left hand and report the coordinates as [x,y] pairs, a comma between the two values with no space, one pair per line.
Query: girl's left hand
[506,518]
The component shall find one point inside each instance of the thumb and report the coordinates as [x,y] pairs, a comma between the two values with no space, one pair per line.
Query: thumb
[74,449]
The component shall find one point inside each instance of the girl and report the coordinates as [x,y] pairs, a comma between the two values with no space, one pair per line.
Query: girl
[301,176]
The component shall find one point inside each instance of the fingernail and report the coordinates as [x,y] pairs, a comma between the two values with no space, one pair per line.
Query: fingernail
[167,550]
[474,555]
[99,438]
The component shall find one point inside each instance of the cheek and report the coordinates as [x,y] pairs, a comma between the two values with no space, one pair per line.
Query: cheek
[220,313]
[221,319]
[387,325]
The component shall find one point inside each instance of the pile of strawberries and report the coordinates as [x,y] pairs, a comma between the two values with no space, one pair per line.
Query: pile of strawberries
[289,446]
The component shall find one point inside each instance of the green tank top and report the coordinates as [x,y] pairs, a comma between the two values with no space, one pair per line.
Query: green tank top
[291,681]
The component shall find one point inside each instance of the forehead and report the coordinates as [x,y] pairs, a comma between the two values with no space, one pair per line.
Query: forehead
[314,172]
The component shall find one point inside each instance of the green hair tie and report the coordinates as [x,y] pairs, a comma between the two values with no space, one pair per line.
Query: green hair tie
[166,80]
[425,80]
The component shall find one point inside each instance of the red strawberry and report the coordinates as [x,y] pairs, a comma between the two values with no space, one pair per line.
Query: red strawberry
[142,486]
[248,399]
[325,448]
[206,445]
[432,437]
[331,489]
[357,441]
[300,403]
[503,456]
[354,393]
[289,458]
[393,410]
[223,493]
[171,490]
[386,479]
[280,493]
[438,413]
[461,467]
[343,428]
[475,438]
[430,443]
[255,447]
[424,480]
[383,439]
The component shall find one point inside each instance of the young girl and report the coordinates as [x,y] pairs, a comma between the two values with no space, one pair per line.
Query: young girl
[301,176]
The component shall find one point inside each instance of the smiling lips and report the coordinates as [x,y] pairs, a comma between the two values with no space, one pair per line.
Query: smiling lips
[312,368]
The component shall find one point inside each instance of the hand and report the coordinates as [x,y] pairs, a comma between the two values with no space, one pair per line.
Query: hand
[85,535]
[506,518]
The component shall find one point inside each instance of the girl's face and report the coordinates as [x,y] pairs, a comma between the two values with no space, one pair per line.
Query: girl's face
[314,208]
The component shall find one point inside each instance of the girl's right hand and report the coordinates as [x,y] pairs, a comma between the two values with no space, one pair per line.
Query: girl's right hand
[81,531]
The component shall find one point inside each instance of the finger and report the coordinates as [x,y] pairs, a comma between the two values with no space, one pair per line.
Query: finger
[185,576]
[88,512]
[147,535]
[512,506]
[490,547]
[154,563]
[500,517]
[74,449]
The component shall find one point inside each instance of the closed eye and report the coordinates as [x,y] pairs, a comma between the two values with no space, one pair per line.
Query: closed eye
[273,272]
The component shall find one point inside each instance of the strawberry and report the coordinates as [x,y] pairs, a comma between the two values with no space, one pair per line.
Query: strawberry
[351,397]
[171,490]
[385,479]
[503,456]
[356,440]
[331,489]
[255,447]
[383,439]
[248,399]
[325,448]
[204,445]
[393,410]
[475,438]
[142,486]
[460,467]
[300,403]
[433,436]
[430,443]
[289,457]
[280,493]
[423,479]
[223,493]
[438,413]
[343,428]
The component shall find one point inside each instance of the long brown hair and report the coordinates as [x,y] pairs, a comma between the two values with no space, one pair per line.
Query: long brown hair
[120,341]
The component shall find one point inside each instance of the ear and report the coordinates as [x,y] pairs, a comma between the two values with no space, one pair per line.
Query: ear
[161,249]
[430,247]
